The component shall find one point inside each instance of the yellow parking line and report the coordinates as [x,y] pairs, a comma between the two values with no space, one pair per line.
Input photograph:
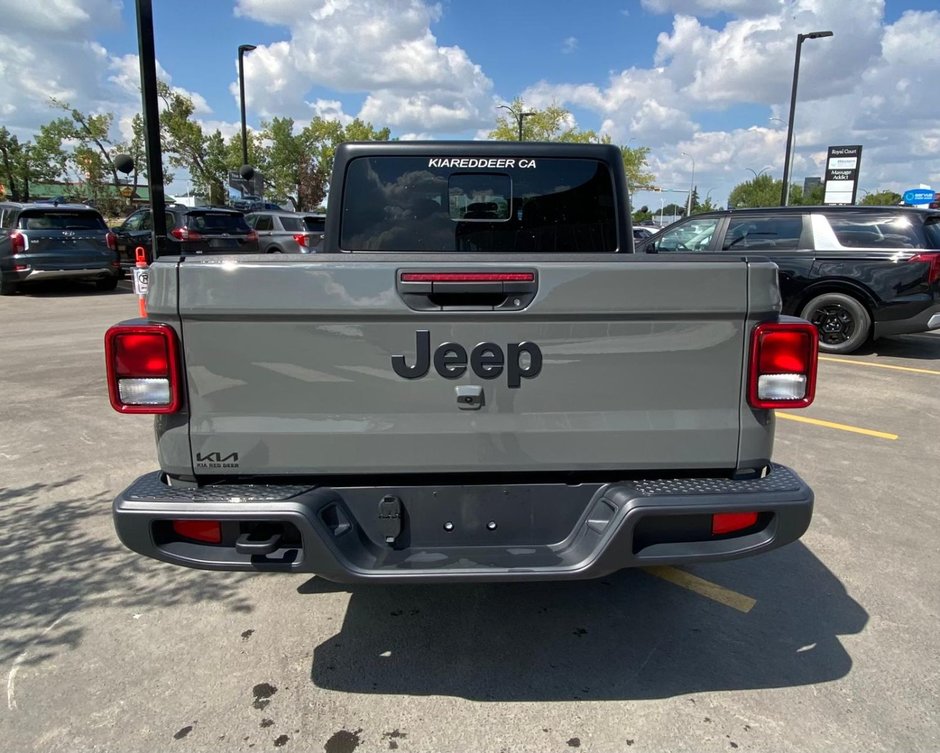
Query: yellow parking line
[879,365]
[703,587]
[841,427]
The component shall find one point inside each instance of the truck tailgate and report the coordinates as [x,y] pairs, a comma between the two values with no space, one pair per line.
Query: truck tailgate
[289,366]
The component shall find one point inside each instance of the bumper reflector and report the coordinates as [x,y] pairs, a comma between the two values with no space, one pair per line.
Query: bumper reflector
[144,391]
[781,386]
[208,531]
[728,522]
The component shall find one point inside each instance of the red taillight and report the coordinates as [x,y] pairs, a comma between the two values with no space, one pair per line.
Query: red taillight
[209,531]
[301,240]
[252,236]
[933,259]
[17,242]
[111,238]
[467,277]
[783,361]
[729,522]
[143,368]
[185,234]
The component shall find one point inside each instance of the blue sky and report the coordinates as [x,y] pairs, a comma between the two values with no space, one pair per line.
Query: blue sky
[691,79]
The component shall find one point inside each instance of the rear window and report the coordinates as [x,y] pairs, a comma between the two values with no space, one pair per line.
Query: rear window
[45,219]
[314,224]
[292,224]
[877,230]
[478,205]
[219,222]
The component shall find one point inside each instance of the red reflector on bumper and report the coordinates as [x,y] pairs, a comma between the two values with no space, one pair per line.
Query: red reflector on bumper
[728,522]
[209,531]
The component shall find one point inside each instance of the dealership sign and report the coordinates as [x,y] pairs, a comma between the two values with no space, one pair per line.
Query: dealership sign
[842,166]
[918,196]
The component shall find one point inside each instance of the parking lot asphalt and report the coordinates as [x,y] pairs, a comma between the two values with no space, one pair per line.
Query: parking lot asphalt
[830,643]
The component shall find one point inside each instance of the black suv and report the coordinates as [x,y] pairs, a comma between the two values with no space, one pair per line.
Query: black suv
[55,241]
[190,230]
[856,272]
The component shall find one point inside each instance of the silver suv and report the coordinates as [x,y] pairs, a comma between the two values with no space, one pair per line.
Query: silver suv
[287,232]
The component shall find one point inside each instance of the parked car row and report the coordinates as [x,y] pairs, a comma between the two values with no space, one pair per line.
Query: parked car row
[219,230]
[857,273]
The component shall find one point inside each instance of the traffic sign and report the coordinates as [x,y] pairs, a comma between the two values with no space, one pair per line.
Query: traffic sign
[918,196]
[141,280]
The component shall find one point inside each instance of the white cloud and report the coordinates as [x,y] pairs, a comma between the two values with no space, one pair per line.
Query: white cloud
[711,7]
[59,17]
[857,87]
[569,45]
[383,49]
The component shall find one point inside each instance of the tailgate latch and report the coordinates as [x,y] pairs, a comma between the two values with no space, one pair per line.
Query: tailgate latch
[390,518]
[469,396]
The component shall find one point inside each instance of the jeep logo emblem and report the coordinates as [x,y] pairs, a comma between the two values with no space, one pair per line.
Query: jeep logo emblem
[487,360]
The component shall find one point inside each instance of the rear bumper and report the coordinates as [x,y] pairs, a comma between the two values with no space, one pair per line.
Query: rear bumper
[37,275]
[923,321]
[542,531]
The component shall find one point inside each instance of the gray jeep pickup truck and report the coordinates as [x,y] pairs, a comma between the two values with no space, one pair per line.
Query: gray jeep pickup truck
[477,379]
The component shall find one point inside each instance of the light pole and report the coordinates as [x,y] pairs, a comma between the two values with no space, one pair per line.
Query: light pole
[688,204]
[242,49]
[761,172]
[519,116]
[800,38]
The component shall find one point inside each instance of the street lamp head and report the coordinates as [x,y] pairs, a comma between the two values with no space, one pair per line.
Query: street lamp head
[816,35]
[243,48]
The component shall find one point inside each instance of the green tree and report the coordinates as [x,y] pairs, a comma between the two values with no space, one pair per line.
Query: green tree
[205,157]
[555,123]
[299,164]
[136,149]
[94,152]
[639,177]
[705,206]
[881,198]
[762,191]
[11,164]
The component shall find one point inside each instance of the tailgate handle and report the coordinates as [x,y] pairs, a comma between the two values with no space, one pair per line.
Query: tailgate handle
[477,290]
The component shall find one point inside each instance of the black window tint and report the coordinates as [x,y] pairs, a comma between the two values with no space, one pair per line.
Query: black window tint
[479,196]
[61,220]
[764,233]
[218,222]
[876,230]
[146,222]
[9,215]
[541,205]
[931,230]
[264,222]
[292,224]
[133,222]
[314,224]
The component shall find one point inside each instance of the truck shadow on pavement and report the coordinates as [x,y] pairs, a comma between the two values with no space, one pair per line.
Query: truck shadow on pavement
[71,289]
[53,566]
[628,636]
[921,347]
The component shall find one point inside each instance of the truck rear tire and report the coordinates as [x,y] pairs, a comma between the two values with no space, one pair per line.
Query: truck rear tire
[844,324]
[7,287]
[108,283]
